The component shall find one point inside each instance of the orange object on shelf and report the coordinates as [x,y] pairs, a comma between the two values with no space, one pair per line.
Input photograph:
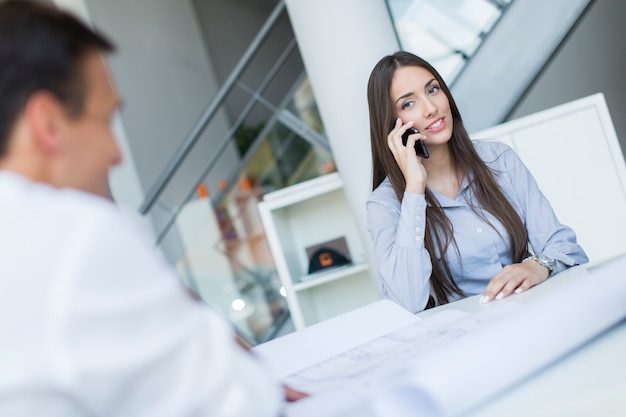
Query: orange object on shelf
[202,191]
[244,182]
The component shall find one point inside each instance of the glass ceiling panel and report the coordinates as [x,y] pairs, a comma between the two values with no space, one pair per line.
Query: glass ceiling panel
[445,33]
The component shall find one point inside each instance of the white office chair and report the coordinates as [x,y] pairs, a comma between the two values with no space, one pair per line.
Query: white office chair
[574,154]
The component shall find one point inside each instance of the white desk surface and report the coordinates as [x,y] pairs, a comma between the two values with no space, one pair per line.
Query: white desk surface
[296,351]
[589,380]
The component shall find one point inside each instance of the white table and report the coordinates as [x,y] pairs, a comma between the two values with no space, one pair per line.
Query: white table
[586,378]
[589,381]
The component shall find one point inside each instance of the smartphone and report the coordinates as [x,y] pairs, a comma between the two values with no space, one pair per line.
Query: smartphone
[420,147]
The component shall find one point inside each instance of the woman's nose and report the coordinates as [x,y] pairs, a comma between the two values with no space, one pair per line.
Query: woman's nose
[429,108]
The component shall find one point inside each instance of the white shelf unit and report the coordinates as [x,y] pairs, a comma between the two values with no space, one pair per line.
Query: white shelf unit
[307,214]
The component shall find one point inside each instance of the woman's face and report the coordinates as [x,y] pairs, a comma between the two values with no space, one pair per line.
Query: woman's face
[417,96]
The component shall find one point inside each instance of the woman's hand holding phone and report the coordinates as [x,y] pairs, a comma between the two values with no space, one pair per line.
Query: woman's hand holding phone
[405,156]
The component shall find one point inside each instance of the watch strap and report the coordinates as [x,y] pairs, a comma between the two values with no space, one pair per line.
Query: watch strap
[544,260]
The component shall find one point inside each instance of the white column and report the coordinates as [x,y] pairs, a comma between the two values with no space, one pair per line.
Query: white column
[340,42]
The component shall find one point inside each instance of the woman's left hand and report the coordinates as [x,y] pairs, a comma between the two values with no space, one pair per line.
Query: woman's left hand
[514,278]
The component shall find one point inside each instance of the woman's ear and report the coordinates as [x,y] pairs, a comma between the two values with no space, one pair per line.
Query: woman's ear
[46,119]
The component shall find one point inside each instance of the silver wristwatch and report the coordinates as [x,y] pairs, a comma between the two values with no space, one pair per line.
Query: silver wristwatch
[543,260]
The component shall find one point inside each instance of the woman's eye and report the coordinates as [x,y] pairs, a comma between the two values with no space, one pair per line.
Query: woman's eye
[407,104]
[433,89]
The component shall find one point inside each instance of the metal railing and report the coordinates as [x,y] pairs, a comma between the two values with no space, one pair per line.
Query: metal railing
[194,135]
[279,113]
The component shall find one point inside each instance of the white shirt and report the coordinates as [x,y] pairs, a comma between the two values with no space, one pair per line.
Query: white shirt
[94,323]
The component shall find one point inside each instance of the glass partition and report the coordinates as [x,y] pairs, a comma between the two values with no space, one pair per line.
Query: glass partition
[259,133]
[223,253]
[217,241]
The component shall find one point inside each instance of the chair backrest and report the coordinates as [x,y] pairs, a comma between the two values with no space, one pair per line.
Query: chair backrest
[574,154]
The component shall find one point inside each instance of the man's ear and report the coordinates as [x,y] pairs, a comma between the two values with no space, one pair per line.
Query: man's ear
[46,119]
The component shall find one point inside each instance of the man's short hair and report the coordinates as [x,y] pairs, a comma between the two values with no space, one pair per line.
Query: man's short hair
[41,49]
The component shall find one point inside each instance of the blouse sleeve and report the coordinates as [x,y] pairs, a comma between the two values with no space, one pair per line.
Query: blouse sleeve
[397,232]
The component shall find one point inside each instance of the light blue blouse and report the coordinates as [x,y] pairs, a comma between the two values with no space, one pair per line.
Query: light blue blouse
[397,231]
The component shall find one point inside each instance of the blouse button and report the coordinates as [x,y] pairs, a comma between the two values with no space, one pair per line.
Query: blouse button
[479,230]
[418,229]
[417,238]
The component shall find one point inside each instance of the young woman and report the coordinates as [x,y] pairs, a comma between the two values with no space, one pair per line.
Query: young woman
[463,221]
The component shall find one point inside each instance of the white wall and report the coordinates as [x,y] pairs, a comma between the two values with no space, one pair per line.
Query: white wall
[591,60]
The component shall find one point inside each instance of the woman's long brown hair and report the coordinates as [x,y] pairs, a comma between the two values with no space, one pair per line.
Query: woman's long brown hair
[439,231]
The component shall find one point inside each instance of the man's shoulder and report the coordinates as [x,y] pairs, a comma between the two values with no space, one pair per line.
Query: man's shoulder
[49,204]
[76,205]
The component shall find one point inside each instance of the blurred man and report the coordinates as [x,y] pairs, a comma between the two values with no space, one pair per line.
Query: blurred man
[92,322]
